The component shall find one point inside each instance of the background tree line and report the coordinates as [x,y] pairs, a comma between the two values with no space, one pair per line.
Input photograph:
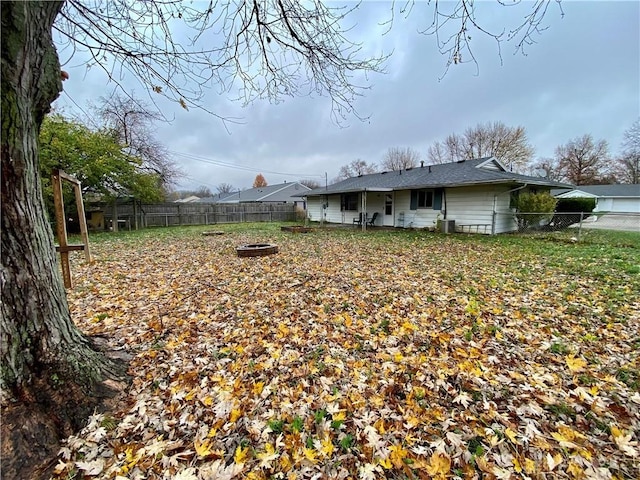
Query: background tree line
[580,161]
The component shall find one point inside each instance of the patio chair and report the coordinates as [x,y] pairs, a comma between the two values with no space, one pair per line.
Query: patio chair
[371,222]
[358,221]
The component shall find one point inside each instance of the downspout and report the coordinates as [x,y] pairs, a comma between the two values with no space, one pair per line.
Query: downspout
[495,199]
[364,210]
[444,202]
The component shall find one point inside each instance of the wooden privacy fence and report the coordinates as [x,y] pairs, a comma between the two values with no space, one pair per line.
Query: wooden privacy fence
[133,215]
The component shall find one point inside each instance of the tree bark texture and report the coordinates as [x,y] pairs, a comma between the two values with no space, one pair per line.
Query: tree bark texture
[50,374]
[38,337]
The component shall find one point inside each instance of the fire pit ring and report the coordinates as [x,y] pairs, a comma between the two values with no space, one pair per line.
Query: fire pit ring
[256,250]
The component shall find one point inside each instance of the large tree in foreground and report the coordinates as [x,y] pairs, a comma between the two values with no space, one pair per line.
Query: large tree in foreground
[268,49]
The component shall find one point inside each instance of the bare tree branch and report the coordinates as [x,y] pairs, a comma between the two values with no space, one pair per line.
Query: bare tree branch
[456,23]
[398,158]
[131,121]
[508,144]
[583,161]
[257,49]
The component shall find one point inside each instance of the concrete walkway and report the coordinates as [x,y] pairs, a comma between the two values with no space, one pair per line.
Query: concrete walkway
[627,223]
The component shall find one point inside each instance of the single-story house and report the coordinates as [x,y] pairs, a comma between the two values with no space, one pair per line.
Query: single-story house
[619,198]
[280,193]
[470,196]
[190,199]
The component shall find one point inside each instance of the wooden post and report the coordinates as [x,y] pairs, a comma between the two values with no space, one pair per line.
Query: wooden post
[61,227]
[135,215]
[61,223]
[84,232]
[114,216]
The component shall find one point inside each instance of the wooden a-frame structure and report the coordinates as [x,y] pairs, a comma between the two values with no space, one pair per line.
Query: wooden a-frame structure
[57,176]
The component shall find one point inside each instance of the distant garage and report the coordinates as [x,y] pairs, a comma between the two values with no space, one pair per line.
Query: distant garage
[619,198]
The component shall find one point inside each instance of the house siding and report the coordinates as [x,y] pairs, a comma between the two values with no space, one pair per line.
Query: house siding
[332,214]
[473,207]
[417,218]
[314,208]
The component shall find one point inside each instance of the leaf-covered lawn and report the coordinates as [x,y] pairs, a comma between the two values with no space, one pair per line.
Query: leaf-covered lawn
[350,355]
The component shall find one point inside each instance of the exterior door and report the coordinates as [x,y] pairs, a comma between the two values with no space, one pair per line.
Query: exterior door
[388,210]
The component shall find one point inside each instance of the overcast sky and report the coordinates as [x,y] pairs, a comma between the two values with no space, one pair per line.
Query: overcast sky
[582,76]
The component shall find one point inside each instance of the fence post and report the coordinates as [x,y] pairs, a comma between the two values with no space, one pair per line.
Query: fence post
[580,226]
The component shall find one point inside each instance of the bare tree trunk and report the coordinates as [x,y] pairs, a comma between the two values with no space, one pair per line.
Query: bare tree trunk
[41,351]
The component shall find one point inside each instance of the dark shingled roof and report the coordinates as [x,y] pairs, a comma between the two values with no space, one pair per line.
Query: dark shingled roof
[615,190]
[468,172]
[281,192]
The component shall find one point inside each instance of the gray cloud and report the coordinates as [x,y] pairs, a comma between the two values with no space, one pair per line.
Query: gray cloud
[582,76]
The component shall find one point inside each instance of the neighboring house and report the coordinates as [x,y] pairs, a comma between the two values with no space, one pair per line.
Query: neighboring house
[215,198]
[622,198]
[476,194]
[280,193]
[191,199]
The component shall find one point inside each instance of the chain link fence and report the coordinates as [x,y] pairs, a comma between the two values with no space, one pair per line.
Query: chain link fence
[573,224]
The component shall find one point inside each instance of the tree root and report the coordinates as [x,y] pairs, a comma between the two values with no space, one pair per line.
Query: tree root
[42,414]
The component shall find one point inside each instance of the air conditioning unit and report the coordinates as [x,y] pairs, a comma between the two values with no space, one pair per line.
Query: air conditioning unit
[448,226]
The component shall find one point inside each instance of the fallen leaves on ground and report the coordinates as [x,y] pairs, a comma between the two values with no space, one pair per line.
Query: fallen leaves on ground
[359,356]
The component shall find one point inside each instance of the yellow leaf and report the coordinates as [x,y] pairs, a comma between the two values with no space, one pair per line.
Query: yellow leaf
[284,330]
[529,466]
[624,442]
[310,454]
[563,441]
[409,326]
[207,401]
[516,465]
[385,463]
[397,455]
[575,470]
[575,364]
[439,464]
[203,447]
[285,462]
[236,413]
[553,462]
[257,388]
[511,435]
[267,456]
[327,447]
[338,416]
[241,454]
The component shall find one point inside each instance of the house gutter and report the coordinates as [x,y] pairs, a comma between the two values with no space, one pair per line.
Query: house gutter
[495,199]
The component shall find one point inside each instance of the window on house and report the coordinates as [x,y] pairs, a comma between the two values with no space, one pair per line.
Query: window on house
[425,199]
[349,202]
